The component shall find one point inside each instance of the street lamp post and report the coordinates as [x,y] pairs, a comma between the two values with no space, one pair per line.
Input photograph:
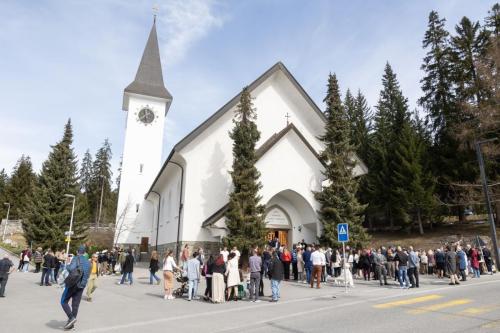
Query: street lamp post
[486,191]
[71,221]
[100,201]
[6,220]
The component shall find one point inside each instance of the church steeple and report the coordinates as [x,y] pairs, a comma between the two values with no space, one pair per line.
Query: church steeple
[149,78]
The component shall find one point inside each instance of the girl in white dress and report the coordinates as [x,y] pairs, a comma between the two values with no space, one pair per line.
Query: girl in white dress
[233,276]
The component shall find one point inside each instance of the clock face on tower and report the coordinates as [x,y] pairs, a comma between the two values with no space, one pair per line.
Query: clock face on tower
[146,115]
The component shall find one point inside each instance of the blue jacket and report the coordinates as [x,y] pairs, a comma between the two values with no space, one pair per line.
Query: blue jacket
[85,265]
[306,256]
[462,260]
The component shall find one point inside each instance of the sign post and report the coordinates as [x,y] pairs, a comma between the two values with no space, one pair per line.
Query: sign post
[343,236]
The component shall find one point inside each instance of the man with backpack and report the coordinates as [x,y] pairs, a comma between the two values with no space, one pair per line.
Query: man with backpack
[78,274]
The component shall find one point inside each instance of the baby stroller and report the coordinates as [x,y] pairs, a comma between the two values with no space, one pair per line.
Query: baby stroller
[183,280]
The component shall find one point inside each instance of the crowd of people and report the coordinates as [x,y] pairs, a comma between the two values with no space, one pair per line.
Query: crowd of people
[231,277]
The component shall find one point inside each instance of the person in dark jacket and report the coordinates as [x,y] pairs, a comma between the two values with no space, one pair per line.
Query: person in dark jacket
[153,268]
[276,273]
[306,256]
[128,268]
[451,265]
[49,263]
[6,267]
[74,292]
[38,259]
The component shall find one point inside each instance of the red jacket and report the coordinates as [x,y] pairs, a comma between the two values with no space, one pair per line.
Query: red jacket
[286,257]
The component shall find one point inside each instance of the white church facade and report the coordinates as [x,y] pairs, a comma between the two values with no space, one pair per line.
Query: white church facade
[183,200]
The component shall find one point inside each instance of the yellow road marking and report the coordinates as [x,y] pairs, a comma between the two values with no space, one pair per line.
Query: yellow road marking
[440,306]
[478,310]
[407,301]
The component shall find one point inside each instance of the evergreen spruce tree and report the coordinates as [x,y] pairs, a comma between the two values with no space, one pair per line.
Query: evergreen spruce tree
[468,46]
[492,21]
[438,99]
[4,178]
[338,199]
[48,213]
[100,182]
[350,110]
[20,187]
[411,181]
[244,217]
[86,172]
[361,122]
[392,114]
[444,112]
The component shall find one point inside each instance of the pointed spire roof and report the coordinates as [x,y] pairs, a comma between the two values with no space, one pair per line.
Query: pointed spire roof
[149,78]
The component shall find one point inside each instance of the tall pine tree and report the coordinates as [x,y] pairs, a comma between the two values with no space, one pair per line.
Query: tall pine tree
[244,218]
[391,115]
[4,178]
[48,213]
[86,172]
[468,45]
[20,187]
[100,184]
[338,198]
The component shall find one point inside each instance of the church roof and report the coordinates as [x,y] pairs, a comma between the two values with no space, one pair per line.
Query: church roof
[235,100]
[149,78]
[279,66]
[261,151]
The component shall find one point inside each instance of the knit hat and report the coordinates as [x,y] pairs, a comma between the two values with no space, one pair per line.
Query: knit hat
[81,249]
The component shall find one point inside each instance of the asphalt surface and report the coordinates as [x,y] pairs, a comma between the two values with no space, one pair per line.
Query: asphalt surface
[434,307]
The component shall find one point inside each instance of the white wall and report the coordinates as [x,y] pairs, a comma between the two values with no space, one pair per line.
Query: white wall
[209,156]
[143,145]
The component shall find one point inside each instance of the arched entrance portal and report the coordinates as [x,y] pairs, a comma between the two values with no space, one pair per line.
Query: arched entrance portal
[290,218]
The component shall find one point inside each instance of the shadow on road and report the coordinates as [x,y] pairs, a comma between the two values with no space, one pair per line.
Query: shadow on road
[56,324]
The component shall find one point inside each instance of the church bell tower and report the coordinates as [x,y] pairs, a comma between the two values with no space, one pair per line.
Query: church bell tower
[146,101]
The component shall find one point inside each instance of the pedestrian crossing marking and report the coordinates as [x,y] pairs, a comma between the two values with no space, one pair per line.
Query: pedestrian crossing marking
[408,301]
[440,306]
[479,310]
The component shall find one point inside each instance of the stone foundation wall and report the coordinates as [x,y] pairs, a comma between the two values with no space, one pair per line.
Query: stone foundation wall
[208,247]
[13,227]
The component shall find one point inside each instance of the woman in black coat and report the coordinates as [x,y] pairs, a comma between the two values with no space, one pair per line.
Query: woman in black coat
[128,268]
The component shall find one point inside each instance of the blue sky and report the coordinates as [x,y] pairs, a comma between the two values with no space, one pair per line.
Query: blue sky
[72,59]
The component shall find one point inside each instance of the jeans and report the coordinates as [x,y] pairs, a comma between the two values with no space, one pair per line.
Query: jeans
[413,274]
[75,294]
[254,285]
[275,288]
[152,275]
[308,274]
[476,271]
[26,265]
[193,288]
[129,276]
[403,276]
[46,273]
[3,282]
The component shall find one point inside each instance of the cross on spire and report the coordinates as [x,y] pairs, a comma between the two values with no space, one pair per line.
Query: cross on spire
[156,9]
[287,116]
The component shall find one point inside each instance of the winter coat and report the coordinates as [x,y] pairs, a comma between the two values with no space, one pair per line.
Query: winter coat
[276,269]
[451,262]
[128,265]
[474,258]
[153,265]
[462,260]
[38,258]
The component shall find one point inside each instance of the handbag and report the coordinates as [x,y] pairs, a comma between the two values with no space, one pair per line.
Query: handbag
[75,276]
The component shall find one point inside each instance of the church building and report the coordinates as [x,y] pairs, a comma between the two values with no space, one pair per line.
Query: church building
[183,200]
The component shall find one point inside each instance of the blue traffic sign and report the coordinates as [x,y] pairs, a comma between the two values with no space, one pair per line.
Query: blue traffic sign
[343,232]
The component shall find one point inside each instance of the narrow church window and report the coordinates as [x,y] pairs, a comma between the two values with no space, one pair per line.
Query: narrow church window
[141,167]
[137,208]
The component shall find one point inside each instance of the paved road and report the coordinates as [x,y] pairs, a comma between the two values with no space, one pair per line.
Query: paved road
[435,307]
